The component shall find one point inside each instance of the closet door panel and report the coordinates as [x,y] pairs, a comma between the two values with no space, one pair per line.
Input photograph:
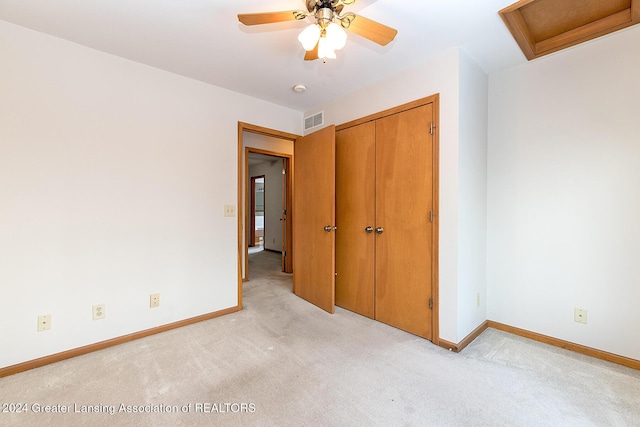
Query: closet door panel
[355,211]
[404,199]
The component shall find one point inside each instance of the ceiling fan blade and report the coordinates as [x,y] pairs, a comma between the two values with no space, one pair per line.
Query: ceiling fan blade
[270,17]
[312,55]
[372,30]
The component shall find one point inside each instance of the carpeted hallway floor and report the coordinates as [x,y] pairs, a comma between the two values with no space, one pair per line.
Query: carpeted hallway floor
[284,362]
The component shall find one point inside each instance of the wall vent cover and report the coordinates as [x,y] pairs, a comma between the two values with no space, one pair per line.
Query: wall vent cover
[314,121]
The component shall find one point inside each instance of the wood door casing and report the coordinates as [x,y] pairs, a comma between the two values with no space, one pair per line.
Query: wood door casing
[355,210]
[313,209]
[404,199]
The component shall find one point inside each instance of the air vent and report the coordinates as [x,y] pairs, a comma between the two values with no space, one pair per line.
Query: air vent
[314,121]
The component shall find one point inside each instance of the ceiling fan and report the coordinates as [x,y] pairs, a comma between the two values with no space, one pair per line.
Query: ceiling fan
[322,38]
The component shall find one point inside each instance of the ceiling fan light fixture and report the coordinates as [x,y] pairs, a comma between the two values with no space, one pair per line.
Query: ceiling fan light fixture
[309,37]
[327,34]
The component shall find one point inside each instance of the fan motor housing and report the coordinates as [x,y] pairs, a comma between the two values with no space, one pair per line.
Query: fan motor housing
[324,16]
[334,5]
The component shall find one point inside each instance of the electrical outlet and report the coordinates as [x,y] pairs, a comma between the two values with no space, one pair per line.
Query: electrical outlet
[229,210]
[154,300]
[99,312]
[44,322]
[580,315]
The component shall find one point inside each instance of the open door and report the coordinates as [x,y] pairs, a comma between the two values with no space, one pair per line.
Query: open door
[283,215]
[256,211]
[314,218]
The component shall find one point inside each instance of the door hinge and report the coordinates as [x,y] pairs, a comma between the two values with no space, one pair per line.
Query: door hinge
[431,216]
[284,253]
[432,128]
[431,303]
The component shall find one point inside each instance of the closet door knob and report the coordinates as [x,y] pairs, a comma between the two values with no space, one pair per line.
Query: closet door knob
[369,229]
[379,230]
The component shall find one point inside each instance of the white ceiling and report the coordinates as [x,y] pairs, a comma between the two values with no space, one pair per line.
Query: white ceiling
[203,39]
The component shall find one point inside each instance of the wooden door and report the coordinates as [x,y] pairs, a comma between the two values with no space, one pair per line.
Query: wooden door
[287,226]
[252,213]
[314,218]
[283,216]
[404,199]
[355,212]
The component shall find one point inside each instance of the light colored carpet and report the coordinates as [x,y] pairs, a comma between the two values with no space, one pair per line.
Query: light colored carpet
[284,362]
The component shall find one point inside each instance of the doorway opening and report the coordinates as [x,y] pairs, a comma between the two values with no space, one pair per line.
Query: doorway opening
[257,216]
[264,153]
[268,197]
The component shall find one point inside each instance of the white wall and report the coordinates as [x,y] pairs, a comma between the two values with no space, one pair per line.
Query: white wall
[472,196]
[113,178]
[440,75]
[564,179]
[272,171]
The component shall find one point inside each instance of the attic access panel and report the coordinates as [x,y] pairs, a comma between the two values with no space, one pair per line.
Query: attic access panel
[542,27]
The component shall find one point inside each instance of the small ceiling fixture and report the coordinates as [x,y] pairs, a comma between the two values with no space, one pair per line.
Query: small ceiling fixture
[322,38]
[299,88]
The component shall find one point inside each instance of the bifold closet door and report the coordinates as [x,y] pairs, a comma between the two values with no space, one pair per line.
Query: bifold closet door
[355,218]
[404,199]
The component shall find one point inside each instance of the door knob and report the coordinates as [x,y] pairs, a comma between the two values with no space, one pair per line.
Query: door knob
[369,229]
[379,230]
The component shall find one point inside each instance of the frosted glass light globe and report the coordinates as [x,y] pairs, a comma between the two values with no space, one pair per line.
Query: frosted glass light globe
[309,37]
[336,36]
[325,50]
